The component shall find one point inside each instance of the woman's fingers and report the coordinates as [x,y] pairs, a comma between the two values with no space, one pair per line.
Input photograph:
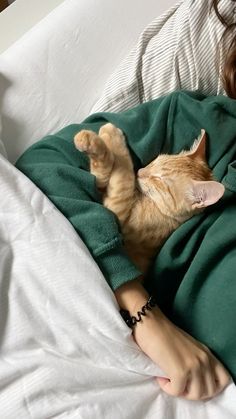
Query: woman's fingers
[202,381]
[190,385]
[196,387]
[174,387]
[222,377]
[210,384]
[193,371]
[205,378]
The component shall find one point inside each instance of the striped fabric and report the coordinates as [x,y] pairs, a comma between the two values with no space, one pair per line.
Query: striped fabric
[179,50]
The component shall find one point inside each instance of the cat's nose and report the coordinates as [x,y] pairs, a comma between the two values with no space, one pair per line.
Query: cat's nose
[141,173]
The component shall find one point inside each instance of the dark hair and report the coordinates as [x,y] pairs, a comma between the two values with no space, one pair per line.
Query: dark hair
[228,74]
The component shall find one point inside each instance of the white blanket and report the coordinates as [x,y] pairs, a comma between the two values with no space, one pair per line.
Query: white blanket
[54,74]
[65,350]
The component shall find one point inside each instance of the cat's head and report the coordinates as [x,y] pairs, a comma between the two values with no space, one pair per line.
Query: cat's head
[182,184]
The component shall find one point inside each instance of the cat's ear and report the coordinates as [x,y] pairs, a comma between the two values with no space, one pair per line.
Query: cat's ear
[205,193]
[198,148]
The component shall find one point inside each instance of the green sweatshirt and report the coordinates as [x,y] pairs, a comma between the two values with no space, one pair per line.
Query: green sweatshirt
[194,275]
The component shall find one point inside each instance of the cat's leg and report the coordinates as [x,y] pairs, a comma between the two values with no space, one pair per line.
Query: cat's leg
[101,157]
[120,193]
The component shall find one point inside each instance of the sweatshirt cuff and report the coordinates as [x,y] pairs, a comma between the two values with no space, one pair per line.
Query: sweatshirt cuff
[117,268]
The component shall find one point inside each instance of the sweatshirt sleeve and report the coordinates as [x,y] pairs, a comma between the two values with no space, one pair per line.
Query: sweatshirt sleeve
[61,172]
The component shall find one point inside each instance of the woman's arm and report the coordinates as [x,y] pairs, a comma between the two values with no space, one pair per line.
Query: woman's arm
[194,373]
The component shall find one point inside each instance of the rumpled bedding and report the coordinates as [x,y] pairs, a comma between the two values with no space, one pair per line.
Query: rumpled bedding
[65,350]
[192,276]
[55,73]
[182,49]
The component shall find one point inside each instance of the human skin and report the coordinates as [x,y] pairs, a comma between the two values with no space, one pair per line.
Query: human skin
[193,371]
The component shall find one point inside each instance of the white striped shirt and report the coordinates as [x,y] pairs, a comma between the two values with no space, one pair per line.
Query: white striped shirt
[179,50]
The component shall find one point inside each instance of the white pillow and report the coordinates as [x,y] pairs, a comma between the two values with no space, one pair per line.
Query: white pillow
[176,51]
[2,148]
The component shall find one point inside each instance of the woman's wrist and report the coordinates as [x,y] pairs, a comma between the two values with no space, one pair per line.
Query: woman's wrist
[131,296]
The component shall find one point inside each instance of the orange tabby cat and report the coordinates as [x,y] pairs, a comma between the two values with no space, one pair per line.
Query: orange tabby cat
[167,192]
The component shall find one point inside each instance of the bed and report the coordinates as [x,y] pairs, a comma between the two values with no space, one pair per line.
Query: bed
[60,357]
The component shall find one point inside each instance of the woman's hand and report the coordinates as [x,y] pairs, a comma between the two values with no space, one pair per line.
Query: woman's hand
[192,370]
[194,373]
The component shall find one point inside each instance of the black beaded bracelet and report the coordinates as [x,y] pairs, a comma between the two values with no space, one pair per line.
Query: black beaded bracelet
[132,320]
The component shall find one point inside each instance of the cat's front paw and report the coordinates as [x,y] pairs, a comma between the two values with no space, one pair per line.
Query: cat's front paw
[113,138]
[89,142]
[112,130]
[83,140]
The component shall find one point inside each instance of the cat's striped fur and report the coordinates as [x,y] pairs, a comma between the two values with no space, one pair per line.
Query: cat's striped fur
[151,205]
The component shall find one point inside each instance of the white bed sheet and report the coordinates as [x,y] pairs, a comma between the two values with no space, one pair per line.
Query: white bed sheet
[65,350]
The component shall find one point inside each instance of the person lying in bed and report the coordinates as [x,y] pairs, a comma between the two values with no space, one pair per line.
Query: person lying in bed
[200,305]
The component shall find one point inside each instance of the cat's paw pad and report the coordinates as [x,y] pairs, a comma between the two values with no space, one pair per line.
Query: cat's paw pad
[111,129]
[83,140]
[87,142]
[114,138]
